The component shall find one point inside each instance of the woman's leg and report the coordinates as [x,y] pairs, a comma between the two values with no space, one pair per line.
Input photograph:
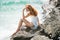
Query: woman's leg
[28,24]
[20,23]
[18,29]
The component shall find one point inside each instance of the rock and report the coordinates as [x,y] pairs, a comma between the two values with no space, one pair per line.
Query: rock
[23,35]
[22,38]
[52,23]
[40,37]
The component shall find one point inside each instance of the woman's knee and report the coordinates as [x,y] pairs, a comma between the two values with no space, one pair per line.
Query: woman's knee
[30,25]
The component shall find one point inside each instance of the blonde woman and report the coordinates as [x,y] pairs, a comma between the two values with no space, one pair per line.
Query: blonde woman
[33,21]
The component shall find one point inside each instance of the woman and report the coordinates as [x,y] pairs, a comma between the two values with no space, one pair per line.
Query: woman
[33,22]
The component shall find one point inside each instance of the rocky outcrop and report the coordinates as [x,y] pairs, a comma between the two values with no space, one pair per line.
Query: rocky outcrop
[50,29]
[52,21]
[31,35]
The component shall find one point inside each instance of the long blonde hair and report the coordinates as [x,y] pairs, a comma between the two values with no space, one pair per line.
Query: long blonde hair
[32,10]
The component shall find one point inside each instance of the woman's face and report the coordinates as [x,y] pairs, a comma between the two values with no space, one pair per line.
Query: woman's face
[27,10]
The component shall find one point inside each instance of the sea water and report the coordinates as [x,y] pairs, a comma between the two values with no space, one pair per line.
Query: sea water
[11,13]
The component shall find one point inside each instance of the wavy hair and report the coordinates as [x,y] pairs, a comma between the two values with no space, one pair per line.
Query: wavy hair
[32,10]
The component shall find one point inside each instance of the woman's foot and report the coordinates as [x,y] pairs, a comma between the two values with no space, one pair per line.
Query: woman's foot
[15,32]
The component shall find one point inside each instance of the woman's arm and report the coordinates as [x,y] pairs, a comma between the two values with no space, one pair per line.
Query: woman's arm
[26,15]
[23,12]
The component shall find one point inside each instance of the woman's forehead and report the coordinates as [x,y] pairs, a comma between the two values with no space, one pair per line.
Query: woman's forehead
[28,5]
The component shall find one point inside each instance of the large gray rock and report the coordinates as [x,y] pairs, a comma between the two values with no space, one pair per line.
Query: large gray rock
[40,37]
[52,19]
[31,35]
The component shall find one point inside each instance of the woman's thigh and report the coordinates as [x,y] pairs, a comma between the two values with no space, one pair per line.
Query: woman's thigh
[28,24]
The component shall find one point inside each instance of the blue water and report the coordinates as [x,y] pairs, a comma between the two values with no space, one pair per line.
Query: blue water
[11,12]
